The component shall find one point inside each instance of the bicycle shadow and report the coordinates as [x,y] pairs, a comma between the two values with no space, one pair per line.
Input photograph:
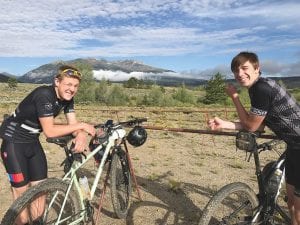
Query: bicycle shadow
[176,207]
[159,202]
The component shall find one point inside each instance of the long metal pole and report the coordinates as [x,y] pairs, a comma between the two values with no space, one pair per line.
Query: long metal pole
[186,130]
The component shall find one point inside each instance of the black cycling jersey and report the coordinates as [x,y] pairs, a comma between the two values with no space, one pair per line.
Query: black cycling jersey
[281,110]
[23,126]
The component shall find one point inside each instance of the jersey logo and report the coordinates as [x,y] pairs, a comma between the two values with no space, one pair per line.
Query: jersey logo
[4,155]
[48,106]
[258,112]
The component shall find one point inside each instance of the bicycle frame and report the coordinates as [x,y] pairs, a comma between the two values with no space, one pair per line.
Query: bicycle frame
[268,201]
[238,203]
[71,176]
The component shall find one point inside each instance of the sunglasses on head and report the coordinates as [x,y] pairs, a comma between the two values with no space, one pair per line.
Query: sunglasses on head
[71,72]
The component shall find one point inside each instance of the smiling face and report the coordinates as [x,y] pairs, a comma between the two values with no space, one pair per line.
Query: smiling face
[66,88]
[246,74]
[245,67]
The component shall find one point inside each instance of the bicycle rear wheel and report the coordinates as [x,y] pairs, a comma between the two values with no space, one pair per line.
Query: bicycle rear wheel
[34,211]
[120,181]
[232,204]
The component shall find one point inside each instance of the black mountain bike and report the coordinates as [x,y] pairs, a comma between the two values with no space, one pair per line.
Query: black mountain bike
[237,203]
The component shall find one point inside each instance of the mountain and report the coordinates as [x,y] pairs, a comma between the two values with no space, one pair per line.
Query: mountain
[45,73]
[122,70]
[5,76]
[289,82]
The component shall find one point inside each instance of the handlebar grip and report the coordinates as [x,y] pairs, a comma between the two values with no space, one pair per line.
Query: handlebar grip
[134,121]
[98,125]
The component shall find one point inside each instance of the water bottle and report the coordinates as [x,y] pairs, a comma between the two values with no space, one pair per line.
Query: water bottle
[274,181]
[85,188]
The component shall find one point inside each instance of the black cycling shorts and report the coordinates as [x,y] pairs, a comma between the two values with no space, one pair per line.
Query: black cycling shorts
[24,162]
[292,168]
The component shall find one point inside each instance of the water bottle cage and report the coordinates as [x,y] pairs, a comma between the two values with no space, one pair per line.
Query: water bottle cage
[246,141]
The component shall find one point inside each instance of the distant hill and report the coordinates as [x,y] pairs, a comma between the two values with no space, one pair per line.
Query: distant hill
[5,76]
[289,82]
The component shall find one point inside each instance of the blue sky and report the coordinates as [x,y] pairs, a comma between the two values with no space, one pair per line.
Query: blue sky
[195,37]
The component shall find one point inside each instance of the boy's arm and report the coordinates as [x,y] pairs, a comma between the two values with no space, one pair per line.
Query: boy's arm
[248,121]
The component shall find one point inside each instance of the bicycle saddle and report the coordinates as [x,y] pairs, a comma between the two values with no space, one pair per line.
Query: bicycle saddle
[61,141]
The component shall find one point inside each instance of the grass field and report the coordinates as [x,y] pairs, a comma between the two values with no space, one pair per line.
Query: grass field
[177,172]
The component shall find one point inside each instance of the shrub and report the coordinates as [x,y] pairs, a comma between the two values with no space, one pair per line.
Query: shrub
[215,90]
[117,97]
[12,82]
[182,95]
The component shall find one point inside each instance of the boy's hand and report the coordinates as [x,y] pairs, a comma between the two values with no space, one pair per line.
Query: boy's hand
[80,142]
[215,123]
[231,91]
[90,129]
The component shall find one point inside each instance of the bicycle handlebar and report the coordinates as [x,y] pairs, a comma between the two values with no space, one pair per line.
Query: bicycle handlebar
[109,123]
[247,141]
[268,145]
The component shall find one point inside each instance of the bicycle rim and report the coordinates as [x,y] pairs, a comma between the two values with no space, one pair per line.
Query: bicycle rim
[120,183]
[234,204]
[42,204]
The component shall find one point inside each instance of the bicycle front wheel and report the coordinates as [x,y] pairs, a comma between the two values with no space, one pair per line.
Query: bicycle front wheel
[233,204]
[120,181]
[42,204]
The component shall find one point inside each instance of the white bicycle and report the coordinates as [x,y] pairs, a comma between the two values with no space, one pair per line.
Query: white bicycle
[61,200]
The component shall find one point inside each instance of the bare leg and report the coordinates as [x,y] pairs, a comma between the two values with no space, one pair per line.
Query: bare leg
[36,208]
[297,208]
[17,192]
[293,204]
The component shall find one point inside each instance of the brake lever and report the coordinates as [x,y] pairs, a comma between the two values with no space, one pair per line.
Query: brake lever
[84,155]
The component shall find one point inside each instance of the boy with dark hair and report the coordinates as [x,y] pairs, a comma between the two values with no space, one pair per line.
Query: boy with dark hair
[272,106]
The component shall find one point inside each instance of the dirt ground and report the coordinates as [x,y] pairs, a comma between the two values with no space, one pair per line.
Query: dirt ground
[177,173]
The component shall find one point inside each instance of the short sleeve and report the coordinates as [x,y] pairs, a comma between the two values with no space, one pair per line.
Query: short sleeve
[261,98]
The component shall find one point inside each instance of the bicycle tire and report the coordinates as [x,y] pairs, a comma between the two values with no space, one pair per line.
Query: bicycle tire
[233,198]
[120,181]
[48,187]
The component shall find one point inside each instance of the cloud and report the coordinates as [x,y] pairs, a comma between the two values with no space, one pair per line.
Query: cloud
[147,28]
[268,67]
[50,28]
[122,76]
[274,68]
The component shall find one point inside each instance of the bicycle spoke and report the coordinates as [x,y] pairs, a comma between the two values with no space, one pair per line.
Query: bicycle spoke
[44,204]
[235,209]
[234,204]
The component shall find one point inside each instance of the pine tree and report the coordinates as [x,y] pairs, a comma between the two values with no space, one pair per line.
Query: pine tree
[215,90]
